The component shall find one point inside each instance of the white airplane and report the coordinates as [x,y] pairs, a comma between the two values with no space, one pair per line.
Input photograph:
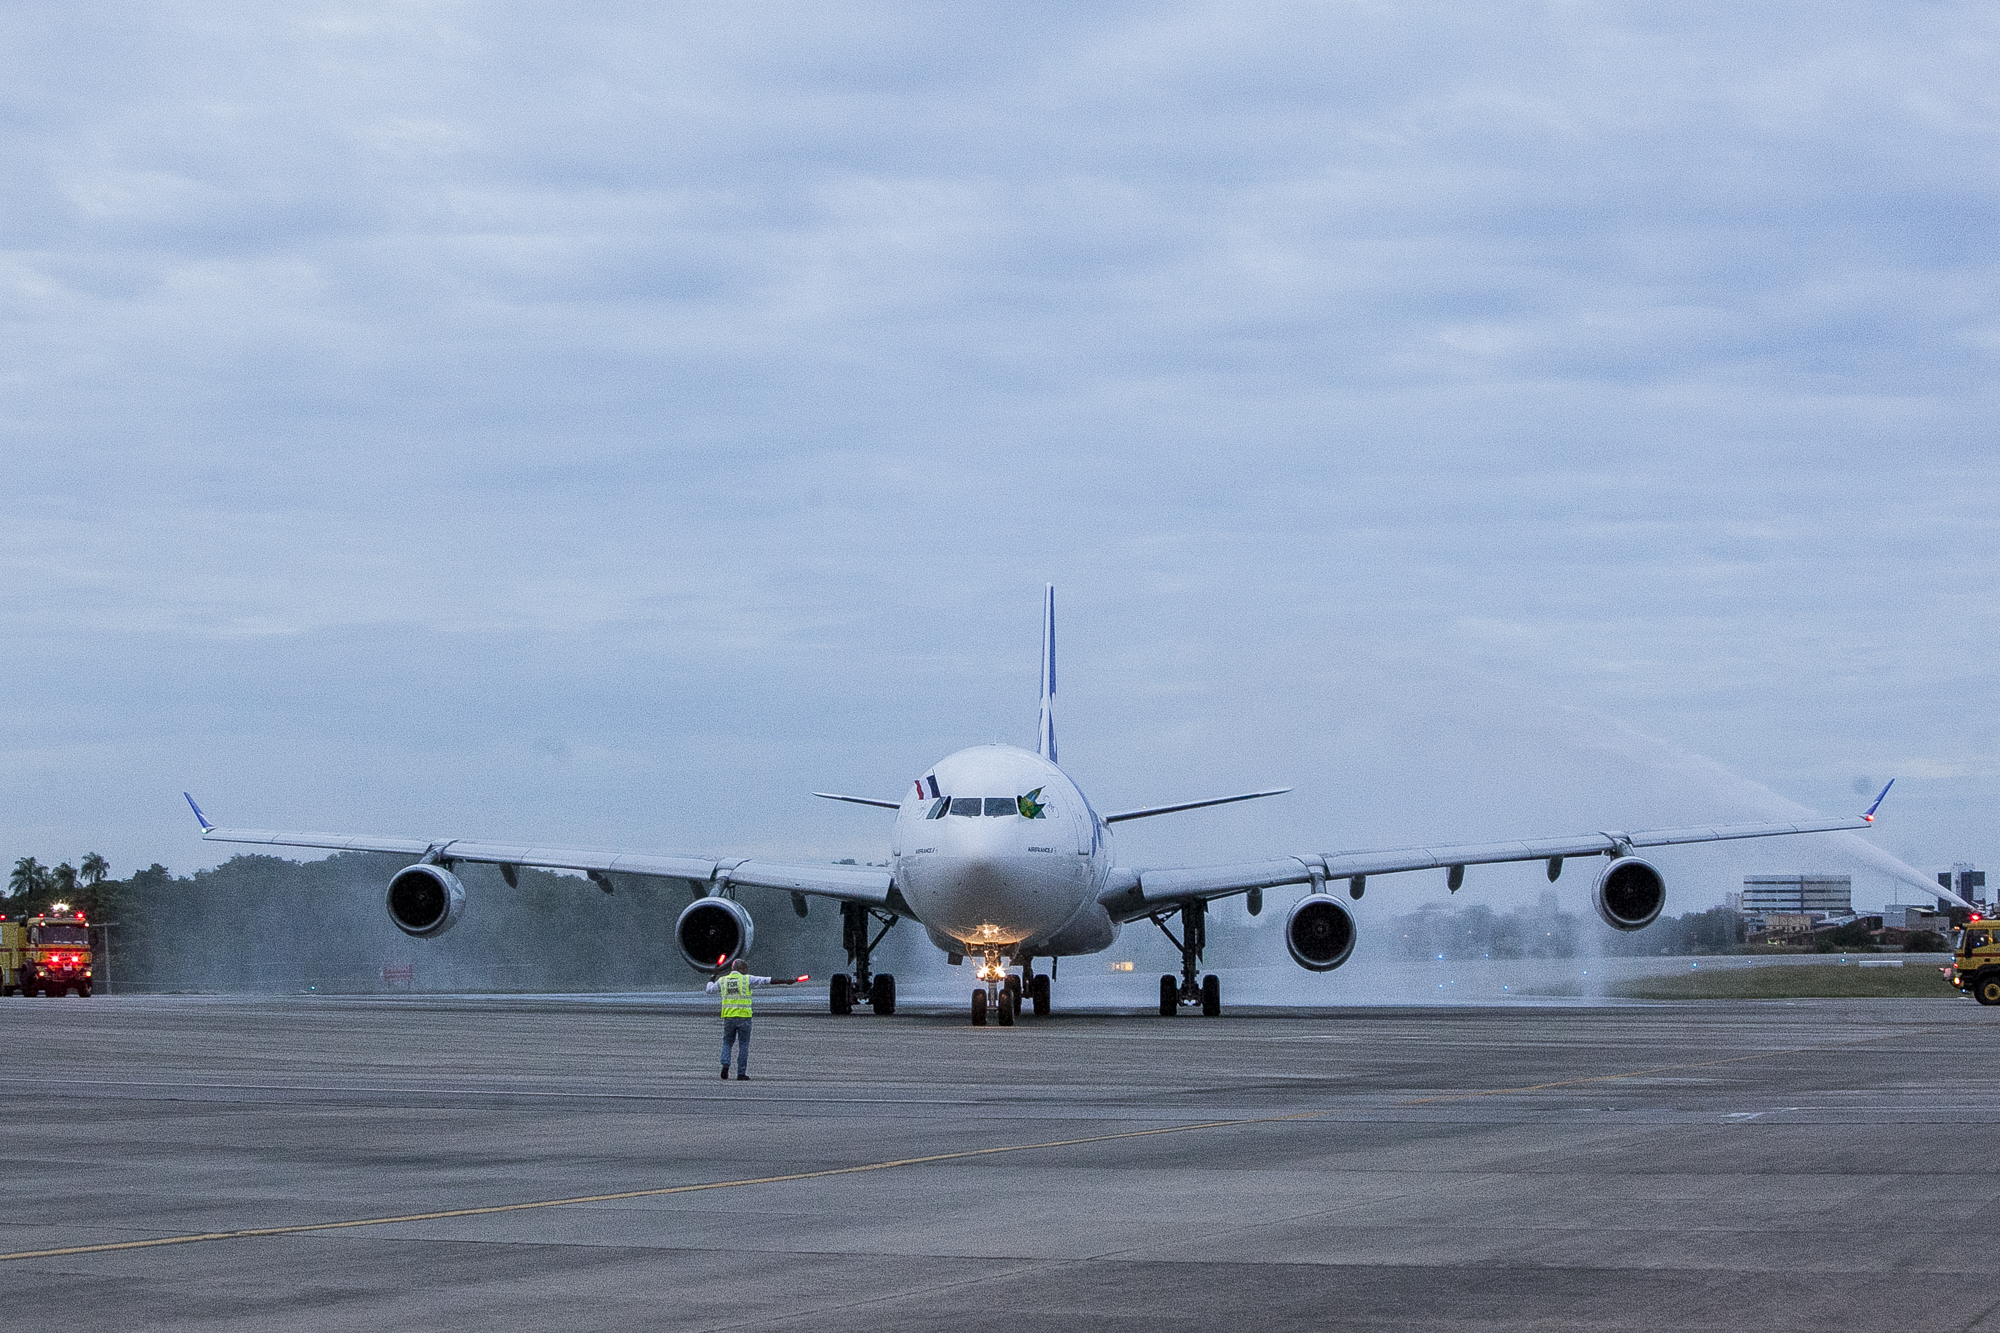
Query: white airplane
[999,856]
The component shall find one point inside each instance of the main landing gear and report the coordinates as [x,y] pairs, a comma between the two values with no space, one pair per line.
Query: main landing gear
[864,987]
[1002,993]
[1188,988]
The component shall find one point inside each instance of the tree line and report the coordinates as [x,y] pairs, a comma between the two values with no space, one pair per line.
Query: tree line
[1544,931]
[263,923]
[34,887]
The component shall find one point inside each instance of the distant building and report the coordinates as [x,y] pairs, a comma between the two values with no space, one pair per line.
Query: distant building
[1964,881]
[1906,917]
[1827,895]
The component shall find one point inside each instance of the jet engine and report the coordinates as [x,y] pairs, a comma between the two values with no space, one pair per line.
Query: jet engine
[1319,932]
[425,900]
[1629,894]
[714,932]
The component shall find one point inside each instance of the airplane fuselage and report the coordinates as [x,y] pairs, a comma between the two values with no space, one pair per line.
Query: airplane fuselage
[1006,859]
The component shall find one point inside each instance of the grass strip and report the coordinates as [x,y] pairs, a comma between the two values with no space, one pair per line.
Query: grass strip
[1827,981]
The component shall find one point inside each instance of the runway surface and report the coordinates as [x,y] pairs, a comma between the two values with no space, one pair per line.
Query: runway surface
[1777,1165]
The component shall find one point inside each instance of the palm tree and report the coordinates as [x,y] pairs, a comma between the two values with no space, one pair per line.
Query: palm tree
[95,869]
[63,879]
[30,876]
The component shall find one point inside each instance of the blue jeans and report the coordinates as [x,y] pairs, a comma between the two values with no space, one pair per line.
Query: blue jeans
[736,1031]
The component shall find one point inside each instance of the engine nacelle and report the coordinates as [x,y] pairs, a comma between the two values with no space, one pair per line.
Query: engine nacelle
[1629,894]
[1319,932]
[714,932]
[425,900]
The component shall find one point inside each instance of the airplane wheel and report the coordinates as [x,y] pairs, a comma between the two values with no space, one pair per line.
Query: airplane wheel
[839,995]
[1040,990]
[1010,991]
[883,997]
[1007,1009]
[1211,996]
[979,1008]
[1170,996]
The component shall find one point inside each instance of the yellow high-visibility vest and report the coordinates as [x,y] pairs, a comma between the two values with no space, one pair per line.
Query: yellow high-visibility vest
[735,995]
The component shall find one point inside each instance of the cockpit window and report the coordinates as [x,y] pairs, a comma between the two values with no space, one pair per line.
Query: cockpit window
[996,807]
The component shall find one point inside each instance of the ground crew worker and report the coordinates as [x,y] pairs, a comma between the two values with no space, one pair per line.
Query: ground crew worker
[736,986]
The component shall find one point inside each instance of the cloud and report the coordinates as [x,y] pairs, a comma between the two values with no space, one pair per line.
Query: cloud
[682,363]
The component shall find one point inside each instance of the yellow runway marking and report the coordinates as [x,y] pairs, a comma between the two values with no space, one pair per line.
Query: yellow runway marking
[251,1232]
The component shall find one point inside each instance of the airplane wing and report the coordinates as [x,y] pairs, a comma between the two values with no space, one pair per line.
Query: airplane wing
[1134,894]
[861,884]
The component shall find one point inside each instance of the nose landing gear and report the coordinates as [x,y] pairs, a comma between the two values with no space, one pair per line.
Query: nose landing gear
[999,993]
[1002,993]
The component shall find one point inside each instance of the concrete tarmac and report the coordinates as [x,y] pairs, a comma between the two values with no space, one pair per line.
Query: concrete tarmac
[1778,1165]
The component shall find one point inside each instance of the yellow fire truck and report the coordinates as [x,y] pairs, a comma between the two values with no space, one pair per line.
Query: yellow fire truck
[48,953]
[1975,960]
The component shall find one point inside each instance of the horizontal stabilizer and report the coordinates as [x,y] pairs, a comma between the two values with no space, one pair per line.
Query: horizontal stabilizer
[859,800]
[1147,812]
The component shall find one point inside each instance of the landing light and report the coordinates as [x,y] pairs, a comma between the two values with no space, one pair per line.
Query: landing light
[1121,967]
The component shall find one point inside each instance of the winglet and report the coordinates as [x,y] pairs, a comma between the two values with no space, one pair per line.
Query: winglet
[1869,813]
[1048,728]
[199,817]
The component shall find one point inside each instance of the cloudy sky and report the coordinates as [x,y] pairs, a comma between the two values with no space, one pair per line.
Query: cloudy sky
[478,419]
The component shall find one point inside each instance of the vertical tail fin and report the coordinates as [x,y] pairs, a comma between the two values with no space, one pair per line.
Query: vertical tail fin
[1048,737]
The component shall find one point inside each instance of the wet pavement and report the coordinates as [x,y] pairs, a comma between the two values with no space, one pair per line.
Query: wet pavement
[560,1162]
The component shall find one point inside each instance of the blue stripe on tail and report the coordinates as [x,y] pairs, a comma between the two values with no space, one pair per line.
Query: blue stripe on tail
[1048,736]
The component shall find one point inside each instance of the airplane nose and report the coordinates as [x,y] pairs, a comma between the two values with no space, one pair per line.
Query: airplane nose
[993,895]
